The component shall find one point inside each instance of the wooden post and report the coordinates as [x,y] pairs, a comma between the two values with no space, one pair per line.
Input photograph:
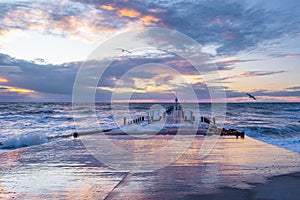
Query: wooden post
[124,120]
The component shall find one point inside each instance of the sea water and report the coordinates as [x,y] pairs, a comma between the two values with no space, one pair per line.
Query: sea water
[27,124]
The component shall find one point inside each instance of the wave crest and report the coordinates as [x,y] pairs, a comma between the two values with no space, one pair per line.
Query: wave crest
[24,140]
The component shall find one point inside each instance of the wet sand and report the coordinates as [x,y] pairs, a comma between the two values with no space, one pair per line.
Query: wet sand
[233,169]
[276,188]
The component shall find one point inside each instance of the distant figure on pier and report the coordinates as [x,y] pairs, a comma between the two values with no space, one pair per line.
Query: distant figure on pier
[75,135]
[176,103]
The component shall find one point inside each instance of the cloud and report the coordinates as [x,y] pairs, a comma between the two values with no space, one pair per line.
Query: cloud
[128,73]
[280,93]
[108,7]
[25,76]
[65,19]
[26,80]
[293,88]
[246,74]
[232,61]
[232,26]
[125,12]
[72,19]
[16,90]
[289,55]
[262,95]
[259,73]
[3,80]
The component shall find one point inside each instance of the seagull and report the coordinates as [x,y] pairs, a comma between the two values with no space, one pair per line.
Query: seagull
[124,50]
[251,96]
[142,88]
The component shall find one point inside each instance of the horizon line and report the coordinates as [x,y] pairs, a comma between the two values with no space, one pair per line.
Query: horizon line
[150,102]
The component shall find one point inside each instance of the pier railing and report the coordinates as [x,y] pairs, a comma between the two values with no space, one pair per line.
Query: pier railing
[135,120]
[162,114]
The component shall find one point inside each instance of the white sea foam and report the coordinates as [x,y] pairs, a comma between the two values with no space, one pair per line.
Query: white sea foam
[24,140]
[25,124]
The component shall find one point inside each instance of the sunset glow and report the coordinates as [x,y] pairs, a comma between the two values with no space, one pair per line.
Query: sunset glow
[44,43]
[3,80]
[16,90]
[129,13]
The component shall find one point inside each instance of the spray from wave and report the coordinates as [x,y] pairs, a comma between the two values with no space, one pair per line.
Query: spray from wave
[24,140]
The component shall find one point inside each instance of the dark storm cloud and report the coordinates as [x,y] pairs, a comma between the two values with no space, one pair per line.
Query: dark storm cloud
[49,80]
[234,26]
[41,78]
[230,24]
[59,79]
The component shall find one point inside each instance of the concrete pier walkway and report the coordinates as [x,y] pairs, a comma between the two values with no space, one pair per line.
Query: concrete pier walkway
[66,170]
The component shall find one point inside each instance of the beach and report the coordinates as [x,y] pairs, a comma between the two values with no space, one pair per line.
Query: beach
[150,100]
[233,168]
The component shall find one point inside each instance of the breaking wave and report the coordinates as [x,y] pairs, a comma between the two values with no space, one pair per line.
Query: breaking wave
[24,140]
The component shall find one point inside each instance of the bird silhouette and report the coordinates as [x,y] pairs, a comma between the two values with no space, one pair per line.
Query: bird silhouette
[142,88]
[123,50]
[251,96]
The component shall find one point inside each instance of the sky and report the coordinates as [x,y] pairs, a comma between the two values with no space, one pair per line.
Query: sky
[239,46]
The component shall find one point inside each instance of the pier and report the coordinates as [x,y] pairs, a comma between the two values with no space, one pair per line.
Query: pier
[209,167]
[66,170]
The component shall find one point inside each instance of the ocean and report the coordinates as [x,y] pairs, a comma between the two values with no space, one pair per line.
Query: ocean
[27,124]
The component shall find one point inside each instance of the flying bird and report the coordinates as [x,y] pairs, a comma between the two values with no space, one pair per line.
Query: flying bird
[123,50]
[142,88]
[251,96]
